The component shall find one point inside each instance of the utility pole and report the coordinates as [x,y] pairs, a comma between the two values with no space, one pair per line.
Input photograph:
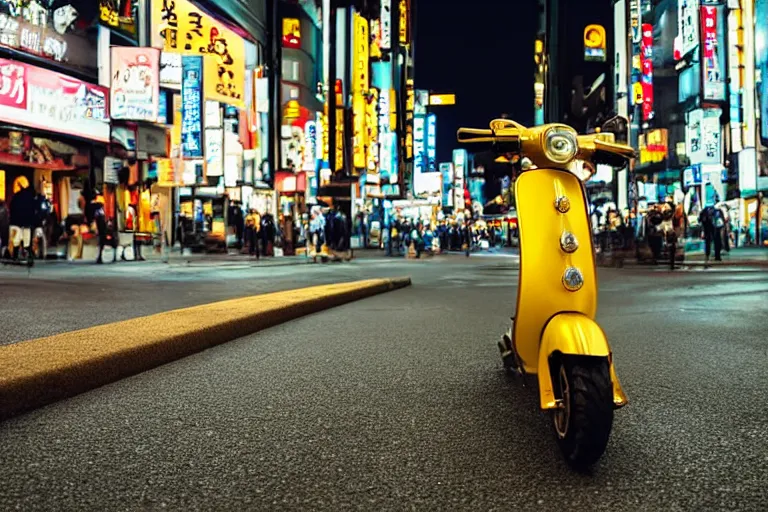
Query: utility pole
[273,85]
[331,94]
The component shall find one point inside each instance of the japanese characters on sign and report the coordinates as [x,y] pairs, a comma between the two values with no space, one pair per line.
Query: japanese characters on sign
[181,27]
[360,87]
[43,99]
[646,79]
[372,123]
[120,15]
[310,146]
[419,150]
[459,169]
[170,70]
[688,26]
[360,77]
[58,34]
[431,143]
[702,136]
[713,83]
[385,40]
[192,106]
[446,171]
[404,7]
[135,83]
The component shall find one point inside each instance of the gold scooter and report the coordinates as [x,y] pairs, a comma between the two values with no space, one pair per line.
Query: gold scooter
[554,334]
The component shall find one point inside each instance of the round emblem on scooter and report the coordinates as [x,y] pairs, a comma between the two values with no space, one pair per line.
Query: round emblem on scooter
[572,279]
[568,242]
[562,204]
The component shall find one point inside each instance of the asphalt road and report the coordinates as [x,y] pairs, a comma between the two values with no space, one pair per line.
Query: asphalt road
[398,402]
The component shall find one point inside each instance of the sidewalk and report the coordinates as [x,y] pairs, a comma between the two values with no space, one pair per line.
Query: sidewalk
[747,256]
[176,258]
[737,257]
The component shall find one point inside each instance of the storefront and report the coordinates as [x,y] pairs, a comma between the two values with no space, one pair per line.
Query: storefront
[54,127]
[219,140]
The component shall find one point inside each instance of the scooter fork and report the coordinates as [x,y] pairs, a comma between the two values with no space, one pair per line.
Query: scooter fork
[509,357]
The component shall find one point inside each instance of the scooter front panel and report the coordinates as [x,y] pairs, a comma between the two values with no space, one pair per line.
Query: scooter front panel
[557,264]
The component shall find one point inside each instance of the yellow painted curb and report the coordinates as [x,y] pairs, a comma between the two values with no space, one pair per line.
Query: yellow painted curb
[37,372]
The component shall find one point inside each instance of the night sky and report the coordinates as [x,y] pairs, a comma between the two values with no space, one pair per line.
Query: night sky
[481,50]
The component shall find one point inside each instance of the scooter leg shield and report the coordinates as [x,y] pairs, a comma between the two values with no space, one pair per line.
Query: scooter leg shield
[568,335]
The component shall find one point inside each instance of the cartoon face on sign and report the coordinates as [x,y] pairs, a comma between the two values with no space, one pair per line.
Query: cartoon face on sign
[63,18]
[136,76]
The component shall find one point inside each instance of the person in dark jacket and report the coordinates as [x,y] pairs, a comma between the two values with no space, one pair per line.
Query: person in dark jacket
[711,232]
[22,219]
[4,226]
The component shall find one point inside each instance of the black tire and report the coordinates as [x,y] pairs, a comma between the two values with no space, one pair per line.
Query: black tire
[583,425]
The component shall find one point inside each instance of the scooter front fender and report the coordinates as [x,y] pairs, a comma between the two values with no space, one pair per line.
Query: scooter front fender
[573,334]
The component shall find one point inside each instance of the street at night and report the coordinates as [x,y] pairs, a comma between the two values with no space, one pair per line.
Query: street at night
[394,402]
[384,255]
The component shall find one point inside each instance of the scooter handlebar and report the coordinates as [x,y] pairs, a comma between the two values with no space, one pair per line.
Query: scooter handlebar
[488,140]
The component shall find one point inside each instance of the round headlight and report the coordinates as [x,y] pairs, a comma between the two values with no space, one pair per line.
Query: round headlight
[560,145]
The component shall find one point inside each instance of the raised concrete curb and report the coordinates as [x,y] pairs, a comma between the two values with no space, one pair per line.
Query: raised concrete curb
[41,371]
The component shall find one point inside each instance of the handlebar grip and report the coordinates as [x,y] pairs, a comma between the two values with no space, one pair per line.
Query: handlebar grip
[485,140]
[474,135]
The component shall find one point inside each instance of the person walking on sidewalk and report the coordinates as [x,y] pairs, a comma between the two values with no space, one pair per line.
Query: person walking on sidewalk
[710,232]
[252,229]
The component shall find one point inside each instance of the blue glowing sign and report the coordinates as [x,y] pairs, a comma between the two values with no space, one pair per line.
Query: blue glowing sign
[192,106]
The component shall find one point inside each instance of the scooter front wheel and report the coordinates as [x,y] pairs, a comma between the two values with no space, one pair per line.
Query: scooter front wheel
[584,418]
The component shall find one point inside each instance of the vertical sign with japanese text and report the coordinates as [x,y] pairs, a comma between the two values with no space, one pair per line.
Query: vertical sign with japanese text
[404,19]
[646,79]
[385,41]
[688,26]
[360,87]
[419,148]
[192,106]
[713,76]
[431,143]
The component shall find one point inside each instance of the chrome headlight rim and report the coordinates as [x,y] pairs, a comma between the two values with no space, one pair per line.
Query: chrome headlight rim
[564,134]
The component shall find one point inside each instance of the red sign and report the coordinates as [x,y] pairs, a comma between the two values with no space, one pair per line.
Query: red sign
[46,100]
[646,60]
[709,31]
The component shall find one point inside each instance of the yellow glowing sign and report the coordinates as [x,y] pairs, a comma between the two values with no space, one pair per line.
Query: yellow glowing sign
[594,43]
[594,36]
[166,177]
[291,33]
[392,110]
[409,142]
[2,185]
[324,129]
[360,140]
[176,128]
[179,26]
[292,110]
[361,42]
[442,99]
[339,139]
[360,86]
[404,39]
[653,146]
[637,93]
